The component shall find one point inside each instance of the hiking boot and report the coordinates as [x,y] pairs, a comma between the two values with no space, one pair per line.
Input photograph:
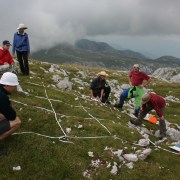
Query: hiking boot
[162,135]
[118,106]
[135,122]
[135,114]
[162,127]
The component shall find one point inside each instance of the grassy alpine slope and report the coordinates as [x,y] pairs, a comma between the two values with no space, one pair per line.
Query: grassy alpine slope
[45,158]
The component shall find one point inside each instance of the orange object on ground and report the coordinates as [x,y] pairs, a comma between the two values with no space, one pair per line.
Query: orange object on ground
[152,119]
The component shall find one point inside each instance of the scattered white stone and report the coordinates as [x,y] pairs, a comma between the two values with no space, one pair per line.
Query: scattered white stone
[80,126]
[173,133]
[143,142]
[68,130]
[114,169]
[108,165]
[90,154]
[146,131]
[56,78]
[65,84]
[118,153]
[81,88]
[17,168]
[108,148]
[145,153]
[121,159]
[53,68]
[131,157]
[130,165]
[95,163]
[83,73]
[77,80]
[86,174]
[168,74]
[172,99]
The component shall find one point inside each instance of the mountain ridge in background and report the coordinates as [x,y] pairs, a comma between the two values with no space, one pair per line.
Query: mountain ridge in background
[100,54]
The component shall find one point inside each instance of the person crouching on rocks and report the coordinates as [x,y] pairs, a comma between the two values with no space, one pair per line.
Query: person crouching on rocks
[9,122]
[99,88]
[152,101]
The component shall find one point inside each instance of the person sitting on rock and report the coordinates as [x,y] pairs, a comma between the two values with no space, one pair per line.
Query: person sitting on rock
[152,101]
[99,88]
[6,60]
[136,81]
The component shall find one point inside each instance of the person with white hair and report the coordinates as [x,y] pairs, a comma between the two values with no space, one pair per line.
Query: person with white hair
[9,122]
[22,48]
[99,88]
[137,81]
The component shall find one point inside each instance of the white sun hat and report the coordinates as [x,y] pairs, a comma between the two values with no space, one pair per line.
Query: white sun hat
[21,26]
[9,78]
[103,73]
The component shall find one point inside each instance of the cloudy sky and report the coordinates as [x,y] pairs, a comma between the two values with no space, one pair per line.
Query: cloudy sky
[151,27]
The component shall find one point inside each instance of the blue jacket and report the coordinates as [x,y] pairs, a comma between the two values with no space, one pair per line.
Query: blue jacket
[21,43]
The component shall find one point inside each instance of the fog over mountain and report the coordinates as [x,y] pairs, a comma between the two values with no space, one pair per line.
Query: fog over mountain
[139,25]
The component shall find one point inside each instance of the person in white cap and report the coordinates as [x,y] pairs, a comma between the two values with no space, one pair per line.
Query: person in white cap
[152,101]
[22,48]
[100,88]
[9,122]
[137,81]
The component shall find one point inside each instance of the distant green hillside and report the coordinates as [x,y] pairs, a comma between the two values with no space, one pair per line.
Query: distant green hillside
[91,53]
[45,150]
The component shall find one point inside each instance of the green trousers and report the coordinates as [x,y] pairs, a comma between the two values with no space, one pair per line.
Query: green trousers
[137,93]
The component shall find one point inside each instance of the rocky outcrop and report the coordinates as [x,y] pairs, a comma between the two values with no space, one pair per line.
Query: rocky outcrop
[168,74]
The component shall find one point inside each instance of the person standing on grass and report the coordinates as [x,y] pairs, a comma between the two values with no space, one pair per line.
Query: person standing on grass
[137,81]
[99,88]
[9,122]
[6,60]
[22,48]
[152,101]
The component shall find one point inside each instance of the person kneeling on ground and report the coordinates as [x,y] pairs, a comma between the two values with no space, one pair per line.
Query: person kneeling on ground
[152,101]
[6,60]
[9,122]
[100,88]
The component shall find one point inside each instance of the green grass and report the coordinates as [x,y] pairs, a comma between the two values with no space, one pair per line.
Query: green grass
[44,158]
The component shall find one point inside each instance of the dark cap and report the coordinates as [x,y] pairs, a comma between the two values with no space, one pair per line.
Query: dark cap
[6,42]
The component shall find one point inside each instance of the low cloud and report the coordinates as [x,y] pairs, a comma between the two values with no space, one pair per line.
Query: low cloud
[53,21]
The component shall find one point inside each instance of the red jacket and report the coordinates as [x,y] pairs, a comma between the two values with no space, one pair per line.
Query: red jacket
[157,103]
[5,56]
